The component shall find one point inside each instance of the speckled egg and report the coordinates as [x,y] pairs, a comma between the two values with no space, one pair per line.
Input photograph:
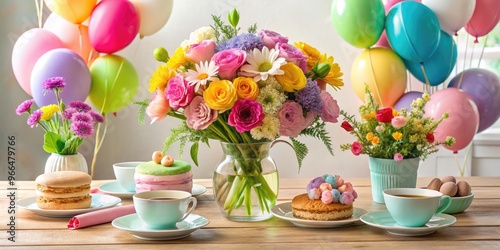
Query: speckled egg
[449,179]
[449,188]
[464,188]
[435,184]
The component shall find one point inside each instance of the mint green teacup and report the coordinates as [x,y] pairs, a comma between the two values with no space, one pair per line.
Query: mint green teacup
[414,207]
[162,209]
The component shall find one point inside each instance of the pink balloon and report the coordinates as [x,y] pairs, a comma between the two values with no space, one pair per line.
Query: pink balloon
[30,46]
[74,37]
[463,120]
[113,25]
[485,17]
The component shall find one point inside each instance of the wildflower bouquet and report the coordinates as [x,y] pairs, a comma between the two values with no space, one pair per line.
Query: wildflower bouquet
[391,134]
[65,127]
[240,88]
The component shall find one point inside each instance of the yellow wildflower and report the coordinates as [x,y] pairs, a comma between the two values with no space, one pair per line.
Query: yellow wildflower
[178,59]
[334,77]
[397,136]
[160,78]
[370,115]
[313,55]
[426,97]
[369,136]
[375,140]
[413,138]
[395,112]
[49,111]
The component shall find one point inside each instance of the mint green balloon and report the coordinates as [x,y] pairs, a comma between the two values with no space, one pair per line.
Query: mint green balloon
[359,22]
[114,83]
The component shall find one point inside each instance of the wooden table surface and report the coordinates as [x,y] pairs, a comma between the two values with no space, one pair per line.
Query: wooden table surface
[477,228]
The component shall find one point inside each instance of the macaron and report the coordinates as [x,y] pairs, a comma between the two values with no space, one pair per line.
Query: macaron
[63,190]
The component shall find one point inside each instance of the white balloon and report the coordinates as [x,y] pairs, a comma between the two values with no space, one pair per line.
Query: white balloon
[452,14]
[153,15]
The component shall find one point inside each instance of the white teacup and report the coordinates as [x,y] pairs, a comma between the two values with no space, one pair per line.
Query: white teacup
[124,173]
[162,209]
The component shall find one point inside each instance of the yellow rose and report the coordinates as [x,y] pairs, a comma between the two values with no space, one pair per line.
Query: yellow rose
[375,141]
[397,136]
[220,95]
[293,79]
[48,111]
[369,136]
[246,88]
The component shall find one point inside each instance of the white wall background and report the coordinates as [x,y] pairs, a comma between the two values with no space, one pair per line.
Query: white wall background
[300,20]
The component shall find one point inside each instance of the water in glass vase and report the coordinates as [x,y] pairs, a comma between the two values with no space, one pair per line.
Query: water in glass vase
[246,198]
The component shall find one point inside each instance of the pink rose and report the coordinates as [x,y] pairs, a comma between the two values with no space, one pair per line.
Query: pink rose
[398,121]
[245,115]
[201,52]
[229,61]
[270,38]
[158,107]
[330,110]
[198,115]
[178,92]
[326,197]
[309,119]
[398,157]
[346,198]
[356,148]
[291,119]
[292,54]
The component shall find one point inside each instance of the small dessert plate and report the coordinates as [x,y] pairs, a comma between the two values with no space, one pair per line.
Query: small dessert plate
[136,227]
[99,201]
[114,188]
[284,211]
[382,219]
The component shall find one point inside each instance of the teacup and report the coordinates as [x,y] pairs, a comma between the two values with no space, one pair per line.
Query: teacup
[162,209]
[124,173]
[414,207]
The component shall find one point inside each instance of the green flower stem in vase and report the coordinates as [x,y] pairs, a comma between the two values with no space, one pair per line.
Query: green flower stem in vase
[246,181]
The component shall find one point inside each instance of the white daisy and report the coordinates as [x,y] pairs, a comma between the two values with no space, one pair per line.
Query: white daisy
[205,71]
[262,64]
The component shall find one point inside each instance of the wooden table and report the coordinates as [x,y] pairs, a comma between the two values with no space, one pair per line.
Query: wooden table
[478,227]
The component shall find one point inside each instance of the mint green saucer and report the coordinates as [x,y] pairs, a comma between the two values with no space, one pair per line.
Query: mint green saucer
[114,188]
[382,219]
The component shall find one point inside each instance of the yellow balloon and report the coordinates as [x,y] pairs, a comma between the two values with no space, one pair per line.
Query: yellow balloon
[384,72]
[75,11]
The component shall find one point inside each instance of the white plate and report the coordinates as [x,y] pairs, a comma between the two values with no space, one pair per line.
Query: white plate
[136,227]
[99,201]
[284,211]
[114,188]
[382,219]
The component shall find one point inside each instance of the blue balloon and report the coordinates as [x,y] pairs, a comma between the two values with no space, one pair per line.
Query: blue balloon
[439,66]
[412,30]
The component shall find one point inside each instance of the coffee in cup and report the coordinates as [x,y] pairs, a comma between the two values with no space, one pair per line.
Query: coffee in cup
[124,173]
[414,207]
[162,209]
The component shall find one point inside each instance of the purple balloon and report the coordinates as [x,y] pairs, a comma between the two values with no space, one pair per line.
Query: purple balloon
[483,86]
[60,63]
[406,100]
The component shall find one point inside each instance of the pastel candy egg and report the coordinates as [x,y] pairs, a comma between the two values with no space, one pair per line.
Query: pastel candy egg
[325,187]
[157,155]
[335,195]
[340,181]
[331,180]
[464,188]
[314,194]
[167,161]
[326,197]
[448,188]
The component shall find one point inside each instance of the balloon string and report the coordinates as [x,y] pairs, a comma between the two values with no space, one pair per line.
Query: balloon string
[38,13]
[471,55]
[465,52]
[72,10]
[451,53]
[98,143]
[375,80]
[427,84]
[112,85]
[461,168]
[80,39]
[456,65]
[482,50]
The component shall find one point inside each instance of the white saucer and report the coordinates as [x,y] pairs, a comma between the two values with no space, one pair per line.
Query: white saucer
[99,201]
[136,227]
[114,188]
[382,219]
[284,211]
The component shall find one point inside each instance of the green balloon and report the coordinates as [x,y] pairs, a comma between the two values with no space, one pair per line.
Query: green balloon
[114,83]
[359,22]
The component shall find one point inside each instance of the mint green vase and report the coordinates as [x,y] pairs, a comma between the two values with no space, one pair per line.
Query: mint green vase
[388,173]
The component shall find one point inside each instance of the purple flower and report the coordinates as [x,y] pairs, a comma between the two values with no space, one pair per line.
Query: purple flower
[80,106]
[245,115]
[81,117]
[246,42]
[82,129]
[24,107]
[96,117]
[292,54]
[270,38]
[35,117]
[54,83]
[68,113]
[309,97]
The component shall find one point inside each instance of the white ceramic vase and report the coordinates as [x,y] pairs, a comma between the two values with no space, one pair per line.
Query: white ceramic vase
[57,162]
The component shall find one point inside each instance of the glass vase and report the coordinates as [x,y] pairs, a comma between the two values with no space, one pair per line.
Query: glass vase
[57,162]
[246,181]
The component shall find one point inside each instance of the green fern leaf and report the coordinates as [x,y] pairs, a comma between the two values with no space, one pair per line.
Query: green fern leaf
[318,130]
[300,149]
[142,110]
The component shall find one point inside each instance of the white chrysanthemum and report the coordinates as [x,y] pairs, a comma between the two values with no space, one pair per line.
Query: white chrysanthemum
[268,130]
[205,71]
[262,64]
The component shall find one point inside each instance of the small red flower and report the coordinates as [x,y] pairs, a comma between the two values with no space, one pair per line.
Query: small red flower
[384,115]
[348,127]
[356,148]
[430,137]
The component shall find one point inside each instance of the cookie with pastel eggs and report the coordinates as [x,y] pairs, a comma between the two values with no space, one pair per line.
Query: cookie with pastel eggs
[328,198]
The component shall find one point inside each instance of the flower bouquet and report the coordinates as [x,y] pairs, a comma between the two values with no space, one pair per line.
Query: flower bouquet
[387,133]
[244,88]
